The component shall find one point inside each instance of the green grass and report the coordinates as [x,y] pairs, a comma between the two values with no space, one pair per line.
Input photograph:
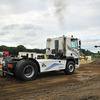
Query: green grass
[94,58]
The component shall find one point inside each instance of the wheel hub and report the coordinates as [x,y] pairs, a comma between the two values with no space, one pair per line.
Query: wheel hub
[71,68]
[28,71]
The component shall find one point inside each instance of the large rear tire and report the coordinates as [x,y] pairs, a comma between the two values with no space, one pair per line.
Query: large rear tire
[70,68]
[26,70]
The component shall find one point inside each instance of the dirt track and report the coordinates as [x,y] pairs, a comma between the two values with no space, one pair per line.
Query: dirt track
[84,84]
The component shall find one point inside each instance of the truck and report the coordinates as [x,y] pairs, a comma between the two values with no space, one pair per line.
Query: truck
[1,57]
[62,55]
[82,56]
[4,53]
[31,55]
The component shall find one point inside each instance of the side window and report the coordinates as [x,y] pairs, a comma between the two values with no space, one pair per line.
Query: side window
[56,44]
[74,44]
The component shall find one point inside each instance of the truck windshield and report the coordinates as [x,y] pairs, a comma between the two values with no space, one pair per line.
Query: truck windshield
[74,44]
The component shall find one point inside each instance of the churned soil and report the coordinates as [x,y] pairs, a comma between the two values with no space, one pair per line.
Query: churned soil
[96,62]
[84,84]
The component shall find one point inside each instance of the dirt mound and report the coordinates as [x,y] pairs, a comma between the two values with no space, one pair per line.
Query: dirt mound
[96,62]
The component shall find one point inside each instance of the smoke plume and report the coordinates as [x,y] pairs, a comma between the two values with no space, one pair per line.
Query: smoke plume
[60,11]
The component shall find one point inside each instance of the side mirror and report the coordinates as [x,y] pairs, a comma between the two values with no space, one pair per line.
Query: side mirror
[80,47]
[79,42]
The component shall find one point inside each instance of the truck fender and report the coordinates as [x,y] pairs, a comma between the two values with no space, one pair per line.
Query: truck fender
[70,59]
[36,62]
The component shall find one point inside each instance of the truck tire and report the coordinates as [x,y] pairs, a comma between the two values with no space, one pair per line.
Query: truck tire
[26,70]
[70,68]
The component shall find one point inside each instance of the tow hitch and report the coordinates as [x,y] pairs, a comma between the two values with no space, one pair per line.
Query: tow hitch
[7,72]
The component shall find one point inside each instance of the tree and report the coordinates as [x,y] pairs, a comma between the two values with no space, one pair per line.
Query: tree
[98,53]
[86,52]
[20,48]
[3,48]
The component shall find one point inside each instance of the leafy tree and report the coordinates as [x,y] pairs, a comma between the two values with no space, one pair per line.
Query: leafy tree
[3,48]
[86,52]
[98,53]
[20,48]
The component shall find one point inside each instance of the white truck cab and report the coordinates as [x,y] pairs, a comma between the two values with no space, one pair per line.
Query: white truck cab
[68,46]
[60,51]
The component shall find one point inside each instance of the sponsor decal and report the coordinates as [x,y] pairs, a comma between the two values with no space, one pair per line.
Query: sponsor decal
[74,51]
[53,65]
[61,67]
[43,65]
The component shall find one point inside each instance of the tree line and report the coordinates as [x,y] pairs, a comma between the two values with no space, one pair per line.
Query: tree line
[19,48]
[87,52]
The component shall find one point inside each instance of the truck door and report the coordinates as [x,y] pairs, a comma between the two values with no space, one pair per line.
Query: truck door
[75,47]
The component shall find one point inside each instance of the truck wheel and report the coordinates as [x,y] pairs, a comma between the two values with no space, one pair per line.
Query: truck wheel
[70,68]
[26,70]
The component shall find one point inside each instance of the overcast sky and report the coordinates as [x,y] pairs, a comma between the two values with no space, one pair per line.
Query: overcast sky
[31,22]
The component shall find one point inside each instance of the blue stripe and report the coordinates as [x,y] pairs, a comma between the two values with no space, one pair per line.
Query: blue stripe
[53,65]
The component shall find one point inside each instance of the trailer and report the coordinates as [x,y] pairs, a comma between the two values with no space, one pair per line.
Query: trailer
[31,55]
[62,54]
